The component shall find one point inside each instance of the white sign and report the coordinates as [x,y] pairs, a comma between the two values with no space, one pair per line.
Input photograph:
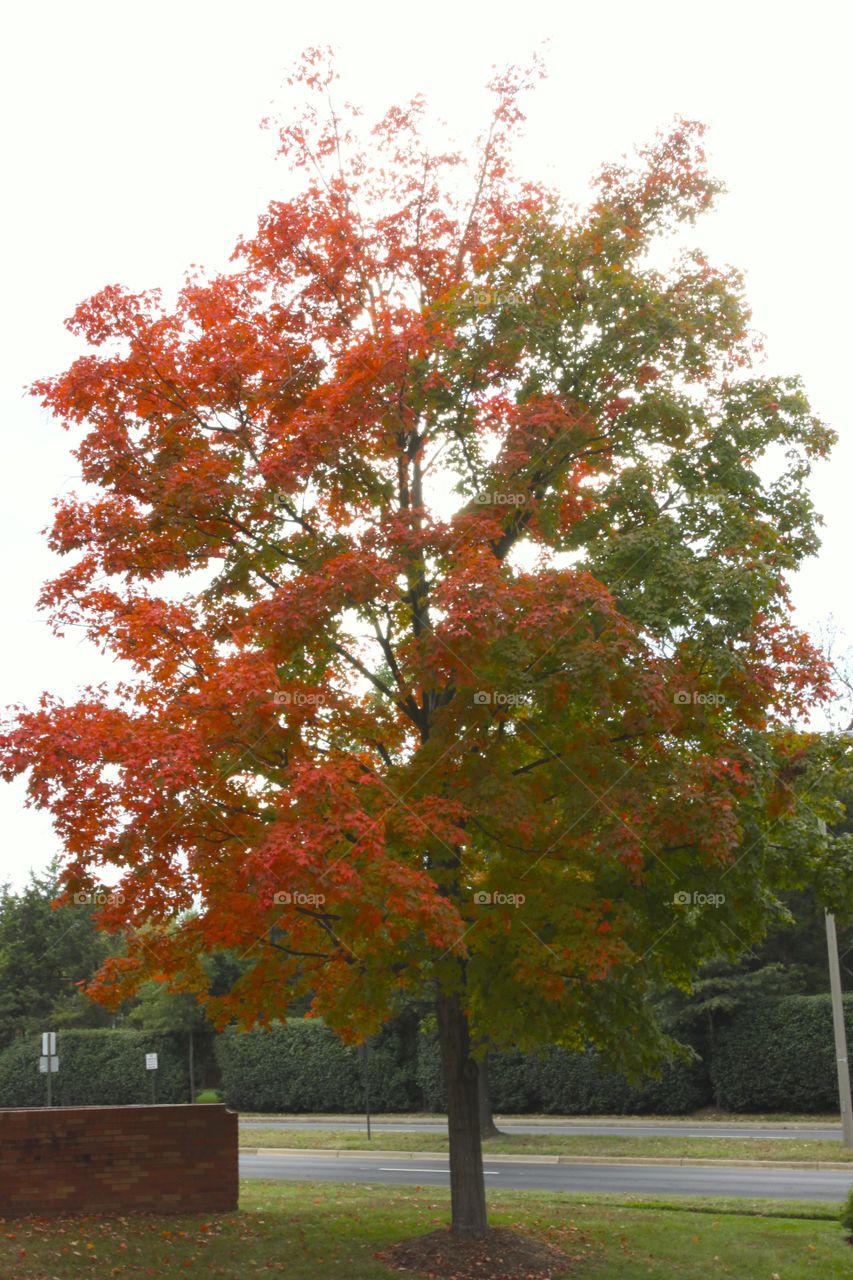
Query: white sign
[151,1061]
[48,1043]
[46,1059]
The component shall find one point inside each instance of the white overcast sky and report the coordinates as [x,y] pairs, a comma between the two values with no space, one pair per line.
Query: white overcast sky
[131,148]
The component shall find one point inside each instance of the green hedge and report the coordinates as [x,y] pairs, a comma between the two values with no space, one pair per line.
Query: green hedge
[303,1066]
[576,1084]
[560,1082]
[779,1055]
[774,1056]
[96,1068]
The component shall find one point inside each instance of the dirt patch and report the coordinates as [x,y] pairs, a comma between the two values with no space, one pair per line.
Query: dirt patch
[502,1255]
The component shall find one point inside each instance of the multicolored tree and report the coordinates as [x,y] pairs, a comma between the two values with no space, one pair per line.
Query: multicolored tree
[444,541]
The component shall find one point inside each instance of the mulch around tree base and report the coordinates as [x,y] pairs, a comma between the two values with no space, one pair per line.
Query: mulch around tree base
[502,1255]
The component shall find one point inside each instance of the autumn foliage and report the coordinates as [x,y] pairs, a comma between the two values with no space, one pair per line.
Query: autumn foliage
[435,541]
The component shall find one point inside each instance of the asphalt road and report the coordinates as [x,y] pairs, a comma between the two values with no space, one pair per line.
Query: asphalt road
[682,1130]
[787,1184]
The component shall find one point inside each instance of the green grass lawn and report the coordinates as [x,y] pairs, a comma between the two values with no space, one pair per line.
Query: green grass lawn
[752,1148]
[208,1095]
[330,1231]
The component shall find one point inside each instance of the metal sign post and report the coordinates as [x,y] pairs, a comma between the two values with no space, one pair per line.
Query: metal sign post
[151,1065]
[48,1062]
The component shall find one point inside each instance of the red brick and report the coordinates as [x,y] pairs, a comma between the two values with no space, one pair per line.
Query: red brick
[175,1159]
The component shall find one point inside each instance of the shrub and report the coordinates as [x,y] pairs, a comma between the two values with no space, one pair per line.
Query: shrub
[776,1055]
[846,1215]
[779,1055]
[571,1083]
[428,1070]
[562,1082]
[514,1083]
[96,1068]
[303,1066]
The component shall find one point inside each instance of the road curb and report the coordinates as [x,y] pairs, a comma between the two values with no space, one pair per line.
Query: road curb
[676,1162]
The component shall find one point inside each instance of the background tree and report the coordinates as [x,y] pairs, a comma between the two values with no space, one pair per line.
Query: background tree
[177,1013]
[838,654]
[799,945]
[175,1006]
[437,535]
[45,954]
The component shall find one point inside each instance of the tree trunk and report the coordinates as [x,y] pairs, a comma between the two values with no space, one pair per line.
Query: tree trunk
[488,1128]
[192,1068]
[467,1184]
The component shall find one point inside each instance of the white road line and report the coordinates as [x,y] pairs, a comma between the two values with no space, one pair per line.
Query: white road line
[405,1168]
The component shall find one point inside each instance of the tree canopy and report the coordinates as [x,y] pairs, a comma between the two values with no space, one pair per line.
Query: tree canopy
[445,538]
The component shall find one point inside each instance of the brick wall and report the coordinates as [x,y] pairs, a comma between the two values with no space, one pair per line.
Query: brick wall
[167,1159]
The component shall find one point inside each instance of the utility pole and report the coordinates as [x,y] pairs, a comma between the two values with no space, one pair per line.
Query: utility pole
[839,1028]
[840,1034]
